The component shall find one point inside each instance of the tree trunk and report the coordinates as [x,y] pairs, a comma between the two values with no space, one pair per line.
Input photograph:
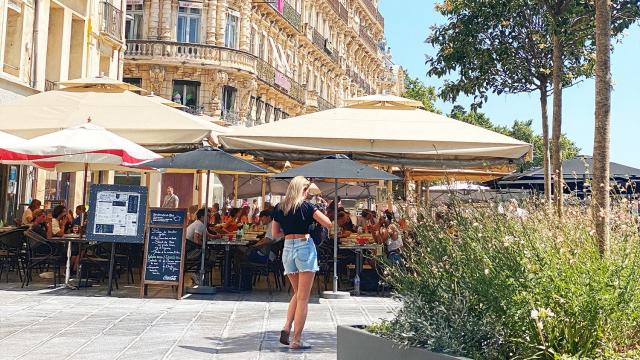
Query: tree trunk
[600,203]
[545,142]
[556,159]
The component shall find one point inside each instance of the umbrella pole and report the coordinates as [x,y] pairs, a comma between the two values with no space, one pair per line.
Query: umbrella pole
[335,238]
[206,228]
[335,294]
[200,289]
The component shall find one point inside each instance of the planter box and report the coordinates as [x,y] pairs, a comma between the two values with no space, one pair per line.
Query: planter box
[354,344]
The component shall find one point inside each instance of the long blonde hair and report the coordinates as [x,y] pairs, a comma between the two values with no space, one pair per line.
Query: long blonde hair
[296,194]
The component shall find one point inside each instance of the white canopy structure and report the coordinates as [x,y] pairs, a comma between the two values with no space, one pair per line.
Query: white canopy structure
[379,129]
[109,105]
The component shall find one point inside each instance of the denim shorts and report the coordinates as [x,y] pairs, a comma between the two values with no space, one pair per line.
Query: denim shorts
[299,255]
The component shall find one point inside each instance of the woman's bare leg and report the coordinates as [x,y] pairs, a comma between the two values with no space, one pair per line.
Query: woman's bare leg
[291,311]
[305,283]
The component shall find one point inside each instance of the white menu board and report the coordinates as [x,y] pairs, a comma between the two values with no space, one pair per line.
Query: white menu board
[117,213]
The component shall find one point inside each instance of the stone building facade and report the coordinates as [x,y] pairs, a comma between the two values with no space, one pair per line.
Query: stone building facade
[43,42]
[252,62]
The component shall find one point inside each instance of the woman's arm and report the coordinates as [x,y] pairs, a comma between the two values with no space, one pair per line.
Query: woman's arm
[322,219]
[276,230]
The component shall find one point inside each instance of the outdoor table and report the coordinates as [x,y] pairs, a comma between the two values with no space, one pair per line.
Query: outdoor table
[227,257]
[70,238]
[5,229]
[358,249]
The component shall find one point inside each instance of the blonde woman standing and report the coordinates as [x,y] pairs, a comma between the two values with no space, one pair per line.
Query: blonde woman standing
[292,217]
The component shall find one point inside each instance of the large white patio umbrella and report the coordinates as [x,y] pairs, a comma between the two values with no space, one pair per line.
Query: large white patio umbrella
[381,129]
[80,145]
[110,104]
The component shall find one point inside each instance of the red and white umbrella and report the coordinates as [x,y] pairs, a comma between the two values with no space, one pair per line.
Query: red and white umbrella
[8,141]
[83,144]
[80,146]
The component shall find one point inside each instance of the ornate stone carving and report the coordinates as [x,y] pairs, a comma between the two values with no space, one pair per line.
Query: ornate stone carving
[156,78]
[246,89]
[218,79]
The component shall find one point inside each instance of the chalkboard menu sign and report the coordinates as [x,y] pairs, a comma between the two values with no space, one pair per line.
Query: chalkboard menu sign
[164,254]
[161,216]
[164,250]
[117,213]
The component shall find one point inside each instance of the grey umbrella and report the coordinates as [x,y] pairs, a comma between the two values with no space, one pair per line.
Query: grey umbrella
[213,160]
[339,168]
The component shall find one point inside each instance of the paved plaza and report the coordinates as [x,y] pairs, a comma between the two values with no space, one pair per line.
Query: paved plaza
[41,323]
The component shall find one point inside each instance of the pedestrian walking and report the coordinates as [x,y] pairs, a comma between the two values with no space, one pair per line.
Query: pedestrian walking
[171,200]
[292,217]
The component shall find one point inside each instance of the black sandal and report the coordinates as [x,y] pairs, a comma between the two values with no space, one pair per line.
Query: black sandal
[284,337]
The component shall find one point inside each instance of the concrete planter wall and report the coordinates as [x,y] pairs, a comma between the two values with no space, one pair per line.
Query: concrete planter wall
[354,343]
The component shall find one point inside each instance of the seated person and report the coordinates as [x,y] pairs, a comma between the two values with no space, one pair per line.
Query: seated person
[28,216]
[345,226]
[230,223]
[60,218]
[389,233]
[195,234]
[260,251]
[40,224]
[81,215]
[366,220]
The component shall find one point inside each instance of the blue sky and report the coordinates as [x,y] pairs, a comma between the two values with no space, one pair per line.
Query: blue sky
[407,24]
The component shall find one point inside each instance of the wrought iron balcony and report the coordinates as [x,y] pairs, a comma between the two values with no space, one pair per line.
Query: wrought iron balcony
[374,12]
[278,80]
[340,10]
[210,55]
[288,12]
[324,104]
[49,85]
[111,20]
[368,40]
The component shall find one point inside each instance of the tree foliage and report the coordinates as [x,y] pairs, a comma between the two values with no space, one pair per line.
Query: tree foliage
[521,130]
[417,90]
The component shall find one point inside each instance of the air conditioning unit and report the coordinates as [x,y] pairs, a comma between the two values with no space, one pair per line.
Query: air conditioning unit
[329,46]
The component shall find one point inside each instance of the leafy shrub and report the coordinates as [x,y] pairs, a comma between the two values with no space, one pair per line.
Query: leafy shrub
[485,285]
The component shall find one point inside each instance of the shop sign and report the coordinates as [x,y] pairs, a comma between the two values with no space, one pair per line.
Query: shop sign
[190,4]
[282,81]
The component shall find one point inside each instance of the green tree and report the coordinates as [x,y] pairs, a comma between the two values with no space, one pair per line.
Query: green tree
[521,130]
[417,90]
[516,46]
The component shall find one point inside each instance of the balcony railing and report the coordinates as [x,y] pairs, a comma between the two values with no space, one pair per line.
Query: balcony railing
[210,55]
[49,85]
[288,12]
[340,10]
[368,40]
[322,43]
[372,9]
[278,80]
[112,19]
[324,104]
[318,40]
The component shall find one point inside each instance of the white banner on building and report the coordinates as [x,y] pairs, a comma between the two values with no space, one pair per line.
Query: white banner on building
[190,4]
[135,2]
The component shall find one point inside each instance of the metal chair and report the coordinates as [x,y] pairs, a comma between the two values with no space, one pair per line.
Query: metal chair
[42,254]
[12,252]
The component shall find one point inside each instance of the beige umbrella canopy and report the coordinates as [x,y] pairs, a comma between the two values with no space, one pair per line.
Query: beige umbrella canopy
[120,111]
[163,101]
[391,132]
[100,82]
[382,101]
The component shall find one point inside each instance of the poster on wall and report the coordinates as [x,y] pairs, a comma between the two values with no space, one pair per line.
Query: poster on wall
[117,213]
